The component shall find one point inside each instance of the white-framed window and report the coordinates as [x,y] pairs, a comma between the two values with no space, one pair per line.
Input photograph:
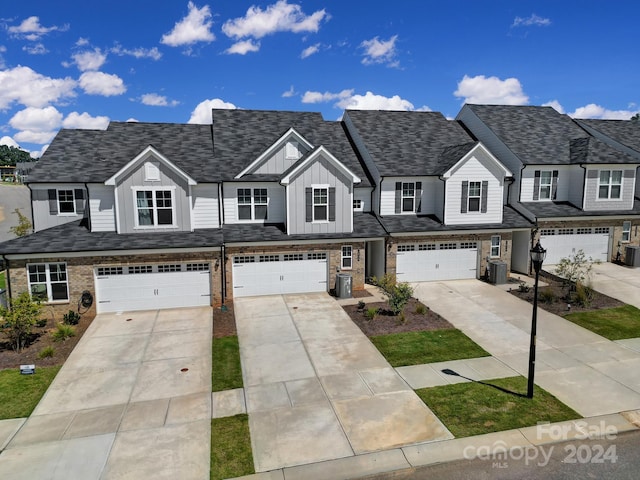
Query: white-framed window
[475,194]
[320,204]
[252,203]
[610,184]
[48,282]
[544,190]
[408,196]
[495,246]
[626,231]
[66,202]
[357,205]
[151,172]
[155,208]
[347,257]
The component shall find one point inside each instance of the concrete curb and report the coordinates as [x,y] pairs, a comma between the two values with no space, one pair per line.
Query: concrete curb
[467,448]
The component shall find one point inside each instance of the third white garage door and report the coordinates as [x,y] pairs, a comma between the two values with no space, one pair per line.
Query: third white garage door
[279,273]
[436,261]
[565,242]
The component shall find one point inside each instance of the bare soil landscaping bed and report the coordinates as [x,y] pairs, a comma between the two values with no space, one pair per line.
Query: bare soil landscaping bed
[224,321]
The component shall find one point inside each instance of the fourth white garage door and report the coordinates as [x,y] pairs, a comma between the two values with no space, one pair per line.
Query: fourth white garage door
[564,242]
[279,273]
[436,261]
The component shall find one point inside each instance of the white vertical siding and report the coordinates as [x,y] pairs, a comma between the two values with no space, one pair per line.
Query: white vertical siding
[364,195]
[205,206]
[101,208]
[576,185]
[275,207]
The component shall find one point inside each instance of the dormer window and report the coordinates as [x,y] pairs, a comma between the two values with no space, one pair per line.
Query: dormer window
[154,208]
[545,184]
[292,152]
[610,184]
[475,190]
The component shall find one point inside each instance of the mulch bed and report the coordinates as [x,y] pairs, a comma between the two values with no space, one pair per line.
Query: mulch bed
[385,322]
[553,298]
[224,321]
[42,338]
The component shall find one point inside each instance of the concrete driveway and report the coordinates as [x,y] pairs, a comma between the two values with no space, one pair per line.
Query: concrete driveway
[132,401]
[618,282]
[591,374]
[316,387]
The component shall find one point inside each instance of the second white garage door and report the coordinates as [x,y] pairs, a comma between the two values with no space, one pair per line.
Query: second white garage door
[566,242]
[436,261]
[279,274]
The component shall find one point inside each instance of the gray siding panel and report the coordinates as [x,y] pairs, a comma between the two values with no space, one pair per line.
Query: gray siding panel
[45,207]
[591,194]
[278,162]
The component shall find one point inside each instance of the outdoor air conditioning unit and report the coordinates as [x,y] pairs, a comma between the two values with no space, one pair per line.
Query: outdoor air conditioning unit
[497,272]
[632,256]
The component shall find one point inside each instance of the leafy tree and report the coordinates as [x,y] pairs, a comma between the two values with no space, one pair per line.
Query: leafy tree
[636,118]
[575,269]
[24,225]
[398,294]
[18,320]
[11,155]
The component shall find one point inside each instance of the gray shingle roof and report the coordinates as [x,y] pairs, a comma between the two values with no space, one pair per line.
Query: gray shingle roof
[410,143]
[567,209]
[626,132]
[590,150]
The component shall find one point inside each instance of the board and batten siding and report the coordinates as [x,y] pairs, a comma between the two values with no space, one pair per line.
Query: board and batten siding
[102,208]
[320,172]
[126,203]
[426,202]
[275,201]
[278,162]
[205,206]
[591,200]
[42,216]
[475,169]
[562,189]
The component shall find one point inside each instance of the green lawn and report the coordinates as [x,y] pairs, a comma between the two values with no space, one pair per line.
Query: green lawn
[612,323]
[19,394]
[230,447]
[3,283]
[474,408]
[415,348]
[226,372]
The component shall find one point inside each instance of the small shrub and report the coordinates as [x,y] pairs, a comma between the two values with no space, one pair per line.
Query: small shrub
[63,332]
[371,313]
[41,323]
[398,294]
[583,295]
[523,287]
[46,352]
[402,318]
[547,296]
[71,318]
[361,305]
[20,319]
[421,309]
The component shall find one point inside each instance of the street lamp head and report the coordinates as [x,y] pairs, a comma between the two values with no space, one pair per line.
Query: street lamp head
[538,255]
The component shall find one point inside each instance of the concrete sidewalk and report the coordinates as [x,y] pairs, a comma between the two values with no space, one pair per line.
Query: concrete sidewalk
[618,282]
[132,401]
[317,389]
[592,375]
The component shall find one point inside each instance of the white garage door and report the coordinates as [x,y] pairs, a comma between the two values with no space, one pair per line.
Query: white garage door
[436,261]
[278,274]
[146,287]
[565,242]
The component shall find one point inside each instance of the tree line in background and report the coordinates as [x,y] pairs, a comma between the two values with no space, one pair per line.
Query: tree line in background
[12,155]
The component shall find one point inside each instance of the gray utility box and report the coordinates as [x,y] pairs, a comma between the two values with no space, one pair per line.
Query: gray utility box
[497,272]
[632,256]
[343,285]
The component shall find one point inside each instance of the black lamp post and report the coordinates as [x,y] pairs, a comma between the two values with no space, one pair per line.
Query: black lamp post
[537,257]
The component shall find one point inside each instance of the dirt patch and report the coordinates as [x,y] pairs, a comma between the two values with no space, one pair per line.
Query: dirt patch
[417,317]
[224,321]
[41,339]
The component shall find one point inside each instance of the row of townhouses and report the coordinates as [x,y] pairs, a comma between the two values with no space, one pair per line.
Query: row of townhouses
[146,215]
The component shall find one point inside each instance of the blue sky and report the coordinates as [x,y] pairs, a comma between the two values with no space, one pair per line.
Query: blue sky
[80,64]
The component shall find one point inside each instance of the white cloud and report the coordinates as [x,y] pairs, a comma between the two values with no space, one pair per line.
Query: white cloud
[99,83]
[491,90]
[31,29]
[202,113]
[380,51]
[24,86]
[37,119]
[152,53]
[319,97]
[555,104]
[596,111]
[89,60]
[82,42]
[155,100]
[307,52]
[9,142]
[132,120]
[371,101]
[39,153]
[28,136]
[37,49]
[289,93]
[531,21]
[243,47]
[279,17]
[194,28]
[85,121]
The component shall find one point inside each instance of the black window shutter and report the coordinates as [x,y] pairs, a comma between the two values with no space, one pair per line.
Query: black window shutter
[398,197]
[554,184]
[483,196]
[536,185]
[465,197]
[78,195]
[332,204]
[308,200]
[53,201]
[418,200]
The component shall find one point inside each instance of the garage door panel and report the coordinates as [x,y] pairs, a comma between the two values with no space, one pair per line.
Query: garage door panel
[432,265]
[560,245]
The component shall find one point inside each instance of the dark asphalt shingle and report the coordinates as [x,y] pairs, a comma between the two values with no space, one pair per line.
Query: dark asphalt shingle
[626,132]
[567,209]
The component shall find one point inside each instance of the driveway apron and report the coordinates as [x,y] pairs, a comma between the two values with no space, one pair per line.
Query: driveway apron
[132,401]
[618,282]
[589,373]
[316,387]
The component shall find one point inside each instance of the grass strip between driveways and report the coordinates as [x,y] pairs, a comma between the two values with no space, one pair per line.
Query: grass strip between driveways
[612,323]
[230,447]
[19,394]
[416,348]
[475,408]
[3,282]
[226,373]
